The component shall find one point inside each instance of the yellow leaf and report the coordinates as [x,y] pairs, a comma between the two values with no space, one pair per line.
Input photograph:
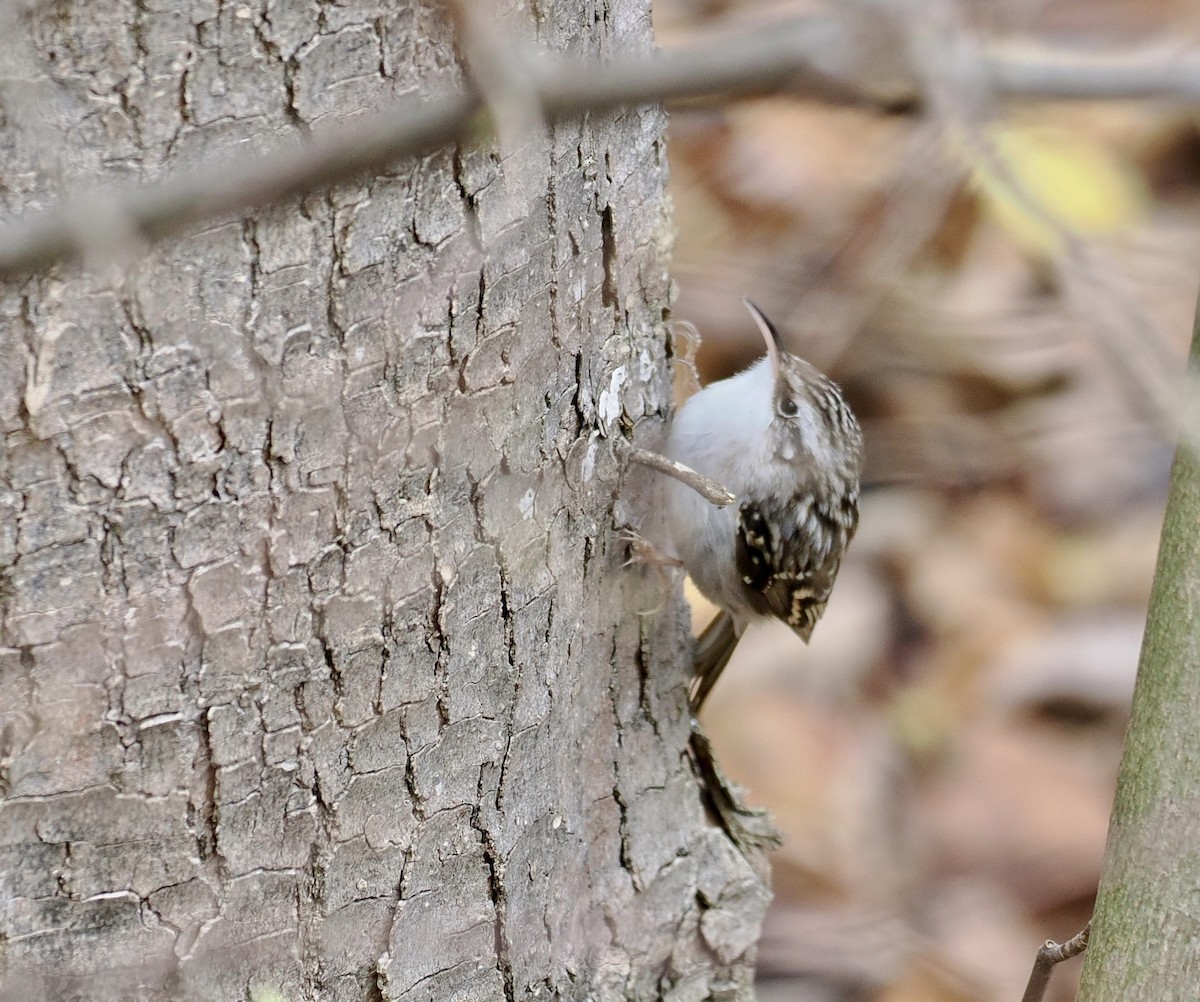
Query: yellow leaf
[1048,182]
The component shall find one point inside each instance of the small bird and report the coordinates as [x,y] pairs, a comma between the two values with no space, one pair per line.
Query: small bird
[780,437]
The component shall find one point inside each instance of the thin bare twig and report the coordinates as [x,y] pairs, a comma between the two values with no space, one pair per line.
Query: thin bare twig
[706,487]
[1050,955]
[1152,73]
[818,57]
[240,186]
[503,82]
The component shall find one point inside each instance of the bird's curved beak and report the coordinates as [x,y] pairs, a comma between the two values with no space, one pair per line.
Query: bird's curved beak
[775,348]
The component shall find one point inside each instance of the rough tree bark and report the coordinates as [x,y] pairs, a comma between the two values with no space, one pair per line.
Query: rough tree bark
[1143,940]
[320,670]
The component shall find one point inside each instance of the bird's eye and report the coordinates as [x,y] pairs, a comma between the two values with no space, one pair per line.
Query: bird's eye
[787,407]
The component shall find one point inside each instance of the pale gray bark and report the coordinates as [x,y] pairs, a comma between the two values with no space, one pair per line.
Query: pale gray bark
[320,671]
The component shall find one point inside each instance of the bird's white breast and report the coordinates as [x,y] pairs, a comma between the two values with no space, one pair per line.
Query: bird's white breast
[722,432]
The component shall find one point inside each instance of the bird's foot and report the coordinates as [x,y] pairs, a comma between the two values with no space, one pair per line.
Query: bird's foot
[644,552]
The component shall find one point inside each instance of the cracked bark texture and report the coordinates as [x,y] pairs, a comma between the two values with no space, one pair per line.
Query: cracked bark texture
[320,672]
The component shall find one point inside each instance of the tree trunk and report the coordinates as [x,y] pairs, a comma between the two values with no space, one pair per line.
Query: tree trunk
[1143,941]
[321,673]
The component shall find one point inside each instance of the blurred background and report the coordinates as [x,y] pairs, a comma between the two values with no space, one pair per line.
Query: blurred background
[942,758]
